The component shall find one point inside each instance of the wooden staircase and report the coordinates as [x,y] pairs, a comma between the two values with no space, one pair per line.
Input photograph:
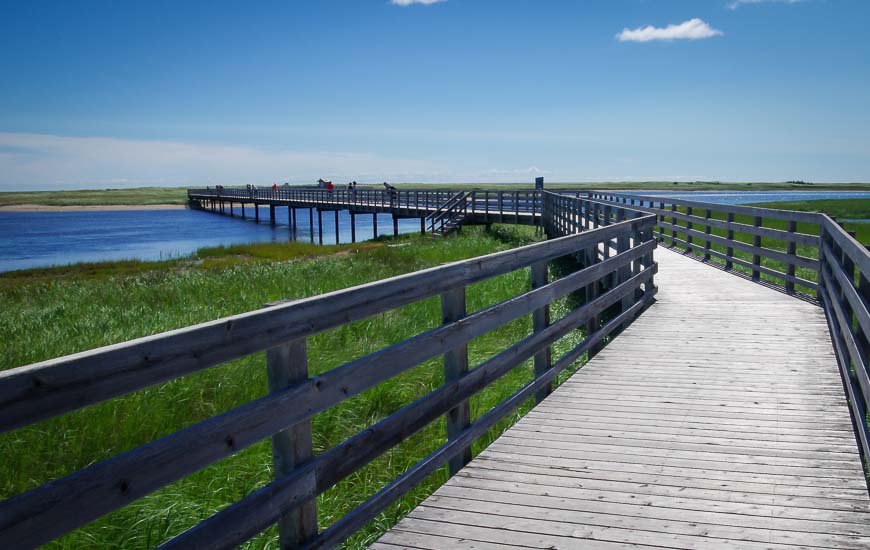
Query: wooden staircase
[450,216]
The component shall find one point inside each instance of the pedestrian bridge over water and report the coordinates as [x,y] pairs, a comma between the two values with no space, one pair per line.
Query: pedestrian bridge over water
[723,404]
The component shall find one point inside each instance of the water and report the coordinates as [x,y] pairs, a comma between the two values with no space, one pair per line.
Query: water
[41,239]
[745,197]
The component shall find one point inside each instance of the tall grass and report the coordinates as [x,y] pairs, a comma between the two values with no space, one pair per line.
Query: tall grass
[47,316]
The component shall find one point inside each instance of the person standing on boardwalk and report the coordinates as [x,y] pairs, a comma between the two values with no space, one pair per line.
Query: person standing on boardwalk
[394,193]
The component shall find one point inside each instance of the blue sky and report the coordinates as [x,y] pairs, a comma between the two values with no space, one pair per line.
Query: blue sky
[113,94]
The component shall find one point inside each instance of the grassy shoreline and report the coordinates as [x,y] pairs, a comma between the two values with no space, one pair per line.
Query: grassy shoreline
[141,196]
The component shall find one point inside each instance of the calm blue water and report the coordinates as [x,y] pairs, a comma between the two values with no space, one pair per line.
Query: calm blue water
[42,239]
[39,239]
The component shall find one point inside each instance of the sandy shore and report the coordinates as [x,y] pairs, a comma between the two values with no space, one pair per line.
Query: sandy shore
[89,208]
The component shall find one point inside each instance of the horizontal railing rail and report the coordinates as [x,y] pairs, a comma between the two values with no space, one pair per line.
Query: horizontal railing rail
[482,201]
[845,295]
[620,269]
[780,247]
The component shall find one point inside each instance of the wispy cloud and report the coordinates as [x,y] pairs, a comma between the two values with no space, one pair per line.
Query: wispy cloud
[737,3]
[39,161]
[693,29]
[409,2]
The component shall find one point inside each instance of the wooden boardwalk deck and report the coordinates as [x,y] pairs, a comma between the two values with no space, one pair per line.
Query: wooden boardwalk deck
[718,421]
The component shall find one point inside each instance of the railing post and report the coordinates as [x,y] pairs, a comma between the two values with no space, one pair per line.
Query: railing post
[594,322]
[455,366]
[864,291]
[540,321]
[707,214]
[287,366]
[791,250]
[729,235]
[673,226]
[756,242]
[501,207]
[689,247]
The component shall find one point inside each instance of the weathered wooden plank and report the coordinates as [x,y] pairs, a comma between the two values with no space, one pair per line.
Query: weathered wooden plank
[632,482]
[683,523]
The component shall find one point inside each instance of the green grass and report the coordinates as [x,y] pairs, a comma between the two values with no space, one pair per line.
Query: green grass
[839,209]
[54,312]
[98,197]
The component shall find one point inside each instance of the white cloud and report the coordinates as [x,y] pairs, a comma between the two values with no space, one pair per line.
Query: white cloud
[737,3]
[409,2]
[39,161]
[693,29]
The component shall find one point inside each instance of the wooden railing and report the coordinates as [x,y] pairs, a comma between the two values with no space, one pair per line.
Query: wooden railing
[836,269]
[779,247]
[620,269]
[845,293]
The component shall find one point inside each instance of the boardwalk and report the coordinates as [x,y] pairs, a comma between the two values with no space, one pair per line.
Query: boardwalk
[719,421]
[716,420]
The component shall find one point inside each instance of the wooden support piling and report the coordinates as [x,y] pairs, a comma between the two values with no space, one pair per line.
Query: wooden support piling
[320,226]
[352,227]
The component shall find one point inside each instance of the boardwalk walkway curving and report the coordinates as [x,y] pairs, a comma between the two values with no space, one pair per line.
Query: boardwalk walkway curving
[719,421]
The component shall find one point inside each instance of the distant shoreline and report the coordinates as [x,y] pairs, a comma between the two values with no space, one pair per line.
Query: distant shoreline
[88,208]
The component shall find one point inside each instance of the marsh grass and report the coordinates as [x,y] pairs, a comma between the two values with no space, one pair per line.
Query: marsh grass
[54,312]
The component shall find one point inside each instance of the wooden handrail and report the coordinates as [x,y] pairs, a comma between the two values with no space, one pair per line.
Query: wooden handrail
[681,217]
[842,260]
[50,388]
